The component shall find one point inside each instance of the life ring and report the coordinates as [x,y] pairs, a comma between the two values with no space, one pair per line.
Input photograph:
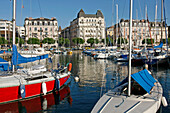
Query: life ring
[69,66]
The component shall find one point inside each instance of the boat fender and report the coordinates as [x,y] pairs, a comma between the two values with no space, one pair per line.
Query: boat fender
[69,66]
[22,90]
[44,88]
[57,84]
[76,79]
[164,102]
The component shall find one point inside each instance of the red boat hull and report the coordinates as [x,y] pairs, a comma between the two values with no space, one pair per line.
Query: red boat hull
[8,94]
[36,104]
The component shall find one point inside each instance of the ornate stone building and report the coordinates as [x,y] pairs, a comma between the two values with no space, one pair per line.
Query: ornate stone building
[140,30]
[41,28]
[87,26]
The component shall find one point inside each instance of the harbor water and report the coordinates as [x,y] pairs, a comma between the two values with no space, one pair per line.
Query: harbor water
[96,77]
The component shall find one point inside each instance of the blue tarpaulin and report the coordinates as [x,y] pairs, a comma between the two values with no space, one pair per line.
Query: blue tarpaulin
[18,59]
[159,46]
[144,79]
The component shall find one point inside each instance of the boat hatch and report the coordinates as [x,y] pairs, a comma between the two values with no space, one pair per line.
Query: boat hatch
[36,78]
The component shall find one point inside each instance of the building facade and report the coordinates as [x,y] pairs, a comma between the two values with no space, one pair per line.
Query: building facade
[21,31]
[6,29]
[87,26]
[65,33]
[141,29]
[41,28]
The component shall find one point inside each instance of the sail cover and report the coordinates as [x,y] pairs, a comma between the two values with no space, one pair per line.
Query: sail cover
[159,46]
[145,79]
[3,65]
[18,58]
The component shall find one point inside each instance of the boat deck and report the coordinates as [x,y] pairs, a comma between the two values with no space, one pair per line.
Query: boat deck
[113,102]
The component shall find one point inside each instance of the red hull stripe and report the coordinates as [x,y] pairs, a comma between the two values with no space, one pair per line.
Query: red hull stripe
[13,93]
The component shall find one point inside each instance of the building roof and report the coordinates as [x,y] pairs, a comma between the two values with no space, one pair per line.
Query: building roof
[82,14]
[41,18]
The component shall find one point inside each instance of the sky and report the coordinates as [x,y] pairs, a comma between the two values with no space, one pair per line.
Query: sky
[66,10]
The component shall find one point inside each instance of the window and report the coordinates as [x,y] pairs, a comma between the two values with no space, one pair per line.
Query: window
[38,23]
[48,23]
[46,29]
[32,23]
[30,28]
[51,29]
[35,29]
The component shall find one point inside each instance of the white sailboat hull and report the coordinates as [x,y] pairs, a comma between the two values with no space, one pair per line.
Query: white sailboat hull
[115,102]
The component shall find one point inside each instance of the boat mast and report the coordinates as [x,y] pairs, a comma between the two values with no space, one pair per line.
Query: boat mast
[145,25]
[14,25]
[116,24]
[161,20]
[130,47]
[155,22]
[165,27]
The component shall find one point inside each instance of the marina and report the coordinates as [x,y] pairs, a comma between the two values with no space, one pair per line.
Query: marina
[85,67]
[85,93]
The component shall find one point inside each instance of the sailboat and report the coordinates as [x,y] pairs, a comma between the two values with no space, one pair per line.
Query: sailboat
[21,84]
[160,57]
[141,94]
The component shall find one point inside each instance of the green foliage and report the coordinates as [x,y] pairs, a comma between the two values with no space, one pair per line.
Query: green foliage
[91,41]
[107,40]
[122,41]
[148,41]
[164,41]
[48,40]
[33,41]
[78,41]
[21,41]
[3,41]
[61,41]
[67,42]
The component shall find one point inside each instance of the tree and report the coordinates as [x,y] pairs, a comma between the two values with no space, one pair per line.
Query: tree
[48,40]
[122,41]
[61,41]
[91,41]
[67,42]
[108,41]
[148,41]
[3,41]
[21,41]
[78,41]
[33,41]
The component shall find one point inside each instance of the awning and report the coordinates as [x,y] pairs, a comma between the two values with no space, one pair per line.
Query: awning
[145,79]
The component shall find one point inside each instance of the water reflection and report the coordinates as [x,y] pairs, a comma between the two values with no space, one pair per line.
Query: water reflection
[40,103]
[92,74]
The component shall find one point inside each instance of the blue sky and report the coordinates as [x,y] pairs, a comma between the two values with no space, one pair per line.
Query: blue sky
[66,10]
